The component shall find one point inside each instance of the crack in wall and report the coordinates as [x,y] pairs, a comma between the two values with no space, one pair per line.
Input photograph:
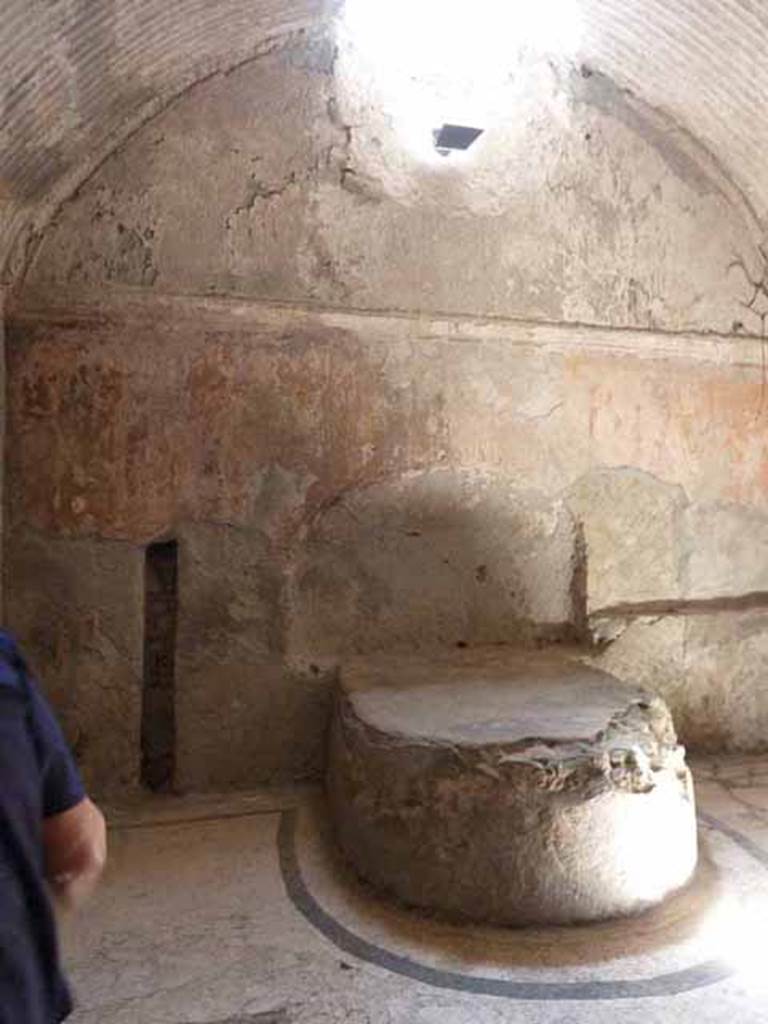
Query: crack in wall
[17,257]
[759,286]
[261,191]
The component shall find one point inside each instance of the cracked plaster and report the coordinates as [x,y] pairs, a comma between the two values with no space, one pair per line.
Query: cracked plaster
[573,211]
[62,112]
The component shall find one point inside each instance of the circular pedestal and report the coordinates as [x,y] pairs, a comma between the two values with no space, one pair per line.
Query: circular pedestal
[514,789]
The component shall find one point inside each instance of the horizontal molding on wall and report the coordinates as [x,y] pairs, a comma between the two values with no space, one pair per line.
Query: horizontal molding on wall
[754,601]
[176,312]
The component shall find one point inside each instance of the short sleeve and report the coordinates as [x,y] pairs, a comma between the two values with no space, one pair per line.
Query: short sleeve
[62,787]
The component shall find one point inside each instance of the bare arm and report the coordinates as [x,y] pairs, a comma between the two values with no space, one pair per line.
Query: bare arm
[75,852]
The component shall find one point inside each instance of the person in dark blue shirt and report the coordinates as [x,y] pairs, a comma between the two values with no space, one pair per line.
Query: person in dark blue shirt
[52,846]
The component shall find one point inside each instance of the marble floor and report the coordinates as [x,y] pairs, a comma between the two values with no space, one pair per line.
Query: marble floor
[237,910]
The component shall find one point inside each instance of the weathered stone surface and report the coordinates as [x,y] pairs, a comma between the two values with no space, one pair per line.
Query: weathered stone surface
[510,788]
[725,546]
[77,608]
[632,526]
[263,722]
[243,715]
[726,680]
[709,668]
[648,651]
[437,558]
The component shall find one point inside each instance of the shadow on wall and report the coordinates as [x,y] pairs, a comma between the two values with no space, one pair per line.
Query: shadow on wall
[432,559]
[429,560]
[440,558]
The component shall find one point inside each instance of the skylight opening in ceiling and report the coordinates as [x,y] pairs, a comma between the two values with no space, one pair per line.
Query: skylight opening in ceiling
[437,62]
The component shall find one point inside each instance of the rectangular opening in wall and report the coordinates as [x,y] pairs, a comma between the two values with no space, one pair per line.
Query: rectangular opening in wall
[158,719]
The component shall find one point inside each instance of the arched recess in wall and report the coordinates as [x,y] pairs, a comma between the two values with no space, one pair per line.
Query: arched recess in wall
[591,209]
[81,81]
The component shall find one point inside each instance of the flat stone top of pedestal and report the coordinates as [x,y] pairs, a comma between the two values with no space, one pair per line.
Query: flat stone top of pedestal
[481,697]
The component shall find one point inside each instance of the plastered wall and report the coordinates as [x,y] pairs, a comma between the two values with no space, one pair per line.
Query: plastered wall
[385,405]
[342,483]
[283,180]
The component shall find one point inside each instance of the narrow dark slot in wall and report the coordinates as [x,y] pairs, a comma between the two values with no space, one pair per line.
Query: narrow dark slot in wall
[158,719]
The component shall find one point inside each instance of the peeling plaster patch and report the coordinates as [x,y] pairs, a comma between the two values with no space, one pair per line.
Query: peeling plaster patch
[134,261]
[280,498]
[118,245]
[363,186]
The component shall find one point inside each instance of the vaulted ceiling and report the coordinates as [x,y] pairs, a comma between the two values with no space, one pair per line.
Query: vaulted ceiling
[78,77]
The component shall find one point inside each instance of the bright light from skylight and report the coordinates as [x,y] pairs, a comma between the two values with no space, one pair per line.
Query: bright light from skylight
[440,61]
[744,940]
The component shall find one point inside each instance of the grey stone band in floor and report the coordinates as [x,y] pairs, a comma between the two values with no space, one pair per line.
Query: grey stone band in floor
[269,1017]
[674,983]
[748,845]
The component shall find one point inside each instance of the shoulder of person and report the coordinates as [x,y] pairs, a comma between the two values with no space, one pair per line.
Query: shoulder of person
[11,661]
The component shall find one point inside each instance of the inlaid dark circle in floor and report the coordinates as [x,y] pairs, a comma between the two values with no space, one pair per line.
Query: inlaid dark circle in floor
[666,984]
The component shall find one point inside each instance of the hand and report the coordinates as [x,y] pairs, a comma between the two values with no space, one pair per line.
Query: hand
[75,852]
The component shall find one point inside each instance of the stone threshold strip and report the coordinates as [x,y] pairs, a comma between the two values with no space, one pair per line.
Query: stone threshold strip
[674,983]
[160,810]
